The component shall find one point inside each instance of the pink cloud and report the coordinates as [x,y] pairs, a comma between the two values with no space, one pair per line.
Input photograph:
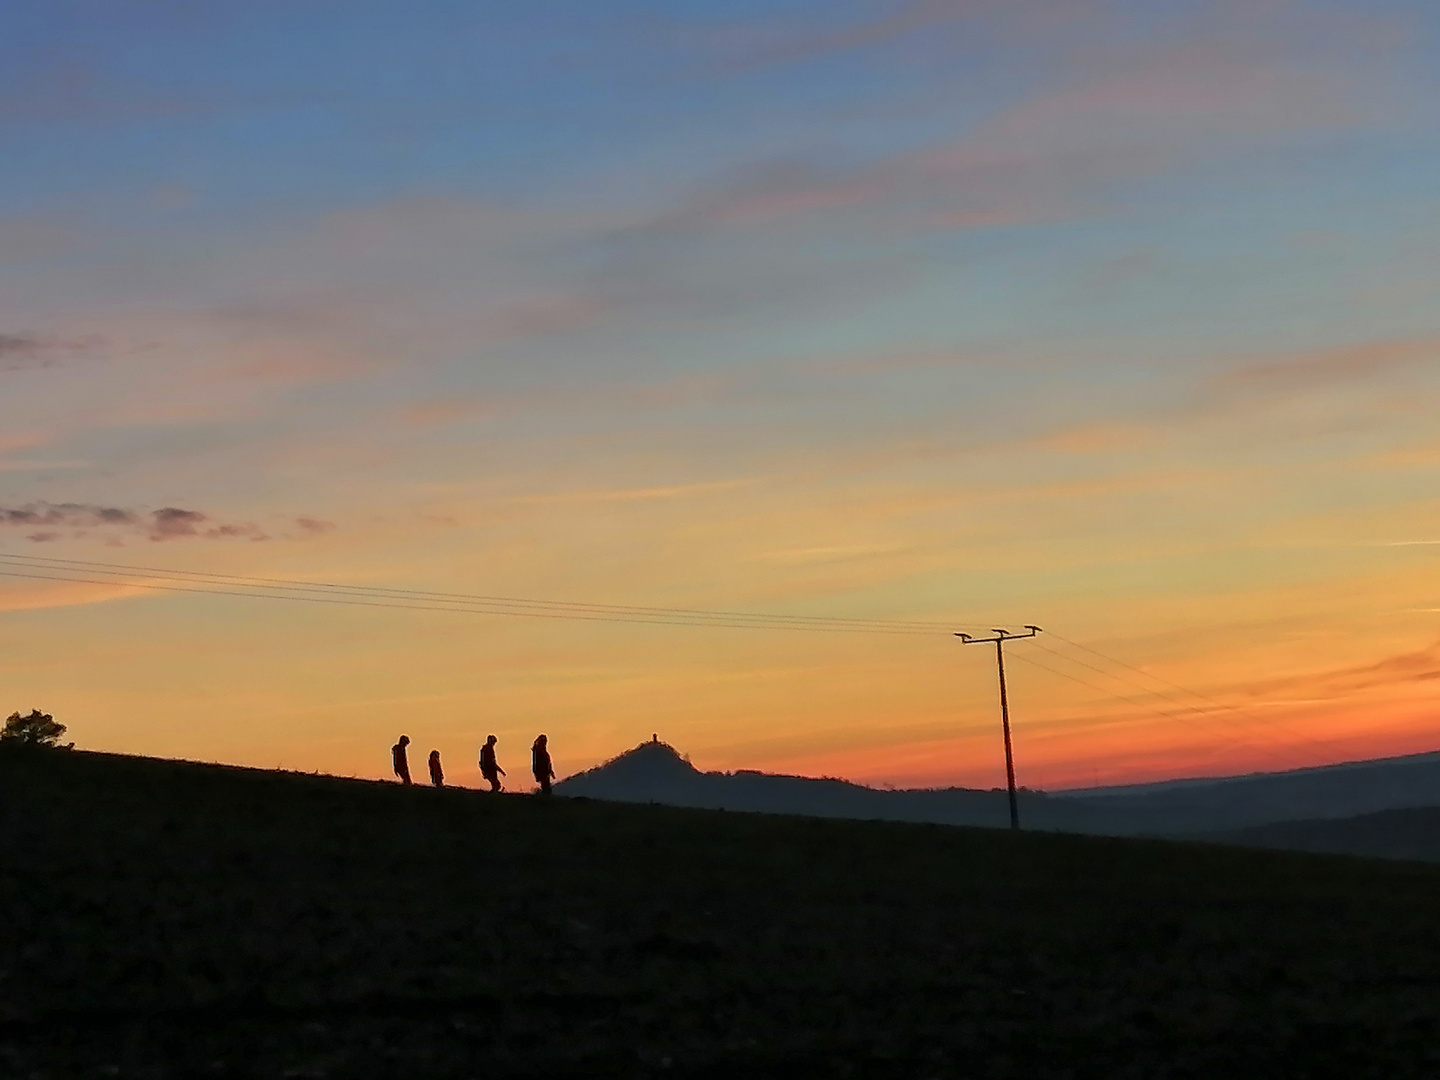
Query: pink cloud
[22,440]
[761,205]
[1187,89]
[1146,110]
[1057,154]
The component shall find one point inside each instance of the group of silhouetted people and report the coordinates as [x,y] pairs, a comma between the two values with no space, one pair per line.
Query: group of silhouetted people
[489,767]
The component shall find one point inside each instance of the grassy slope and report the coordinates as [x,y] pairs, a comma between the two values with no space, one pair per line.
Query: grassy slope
[165,919]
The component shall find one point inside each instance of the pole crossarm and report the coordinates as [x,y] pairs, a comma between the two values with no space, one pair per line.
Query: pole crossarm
[1002,636]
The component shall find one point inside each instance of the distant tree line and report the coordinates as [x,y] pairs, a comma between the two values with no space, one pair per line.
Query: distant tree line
[37,729]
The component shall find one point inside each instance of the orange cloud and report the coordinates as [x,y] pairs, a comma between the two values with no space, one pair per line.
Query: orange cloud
[21,594]
[1413,666]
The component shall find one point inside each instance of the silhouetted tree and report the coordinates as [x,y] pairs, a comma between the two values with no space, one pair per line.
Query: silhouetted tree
[37,729]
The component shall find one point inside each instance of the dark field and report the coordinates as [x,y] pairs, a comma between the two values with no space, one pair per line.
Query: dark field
[162,919]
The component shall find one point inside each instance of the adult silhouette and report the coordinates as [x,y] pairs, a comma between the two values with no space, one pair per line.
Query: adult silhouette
[540,764]
[398,758]
[490,768]
[437,774]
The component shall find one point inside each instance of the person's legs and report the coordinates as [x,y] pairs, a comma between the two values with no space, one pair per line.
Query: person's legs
[544,785]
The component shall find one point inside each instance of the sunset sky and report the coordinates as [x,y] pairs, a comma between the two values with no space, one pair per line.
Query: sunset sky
[1119,318]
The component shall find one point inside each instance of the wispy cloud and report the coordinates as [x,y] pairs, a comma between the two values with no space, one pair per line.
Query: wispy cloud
[1344,364]
[34,595]
[638,494]
[1122,113]
[32,465]
[1245,386]
[744,386]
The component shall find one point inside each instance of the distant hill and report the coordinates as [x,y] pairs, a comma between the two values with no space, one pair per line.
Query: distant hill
[655,772]
[1328,791]
[1412,833]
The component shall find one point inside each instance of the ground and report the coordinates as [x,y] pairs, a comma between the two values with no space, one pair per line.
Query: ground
[163,919]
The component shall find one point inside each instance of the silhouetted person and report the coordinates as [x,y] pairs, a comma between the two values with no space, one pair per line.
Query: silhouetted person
[437,774]
[540,765]
[402,764]
[490,768]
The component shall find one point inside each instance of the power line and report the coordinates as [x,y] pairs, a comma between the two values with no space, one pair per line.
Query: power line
[1323,745]
[1121,697]
[1249,731]
[359,603]
[1110,693]
[1142,688]
[1137,670]
[234,585]
[215,577]
[1083,682]
[215,583]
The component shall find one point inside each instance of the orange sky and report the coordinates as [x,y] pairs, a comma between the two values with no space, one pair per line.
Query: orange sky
[1320,651]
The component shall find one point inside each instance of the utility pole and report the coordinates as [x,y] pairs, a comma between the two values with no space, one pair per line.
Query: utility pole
[1002,636]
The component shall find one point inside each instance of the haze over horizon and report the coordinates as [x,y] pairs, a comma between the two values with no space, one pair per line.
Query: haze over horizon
[1118,318]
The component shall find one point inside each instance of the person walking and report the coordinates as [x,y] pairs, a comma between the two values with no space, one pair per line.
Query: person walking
[540,764]
[490,768]
[398,758]
[437,774]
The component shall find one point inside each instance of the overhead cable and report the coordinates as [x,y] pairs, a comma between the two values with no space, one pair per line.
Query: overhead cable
[220,584]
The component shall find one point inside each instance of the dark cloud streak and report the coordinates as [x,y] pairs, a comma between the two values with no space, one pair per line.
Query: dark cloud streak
[24,351]
[52,520]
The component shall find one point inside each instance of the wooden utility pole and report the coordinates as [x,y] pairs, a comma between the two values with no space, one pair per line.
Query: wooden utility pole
[1002,636]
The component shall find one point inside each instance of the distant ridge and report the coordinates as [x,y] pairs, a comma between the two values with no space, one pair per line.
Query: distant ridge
[655,772]
[1411,833]
[1403,761]
[1343,790]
